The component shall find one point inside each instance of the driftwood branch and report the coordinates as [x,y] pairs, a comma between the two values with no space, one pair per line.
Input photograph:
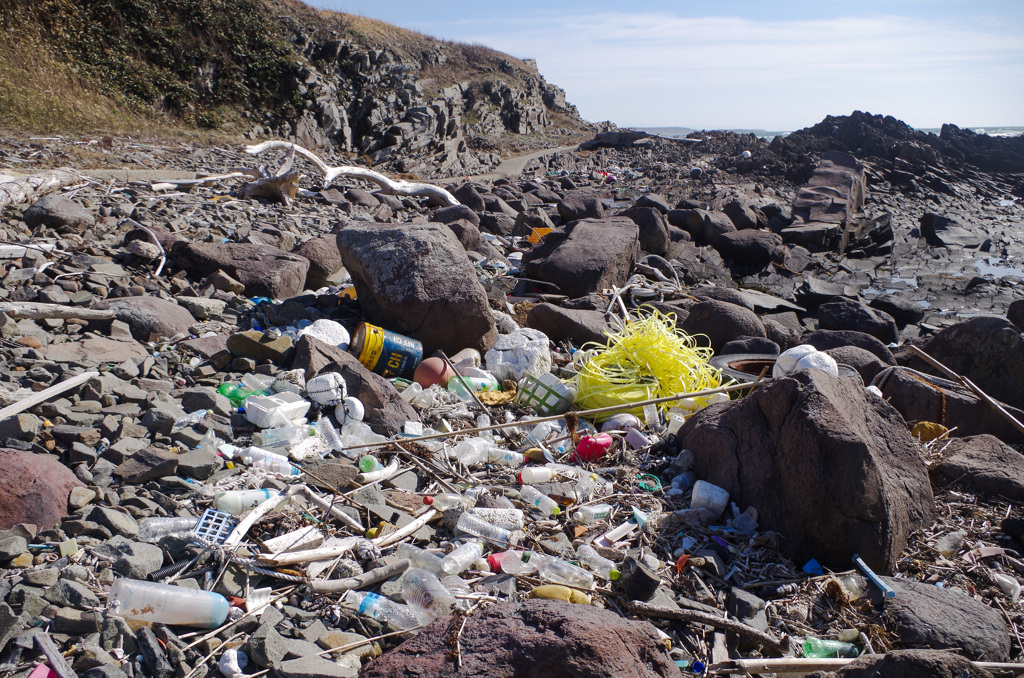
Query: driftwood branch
[31,309]
[645,610]
[46,394]
[23,190]
[361,581]
[387,185]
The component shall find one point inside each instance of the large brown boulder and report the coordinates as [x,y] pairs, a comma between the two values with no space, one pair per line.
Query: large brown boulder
[846,314]
[586,256]
[415,279]
[827,465]
[34,489]
[989,351]
[386,412]
[577,324]
[721,322]
[653,228]
[908,664]
[535,638]
[984,463]
[264,270]
[149,317]
[324,259]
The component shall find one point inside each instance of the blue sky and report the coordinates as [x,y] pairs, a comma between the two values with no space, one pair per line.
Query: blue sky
[751,63]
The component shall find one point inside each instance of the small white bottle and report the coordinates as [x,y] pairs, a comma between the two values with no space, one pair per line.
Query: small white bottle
[238,502]
[462,558]
[591,513]
[536,474]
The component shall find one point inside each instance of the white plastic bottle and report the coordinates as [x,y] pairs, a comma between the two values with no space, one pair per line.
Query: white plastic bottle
[238,502]
[496,455]
[380,608]
[539,501]
[153,530]
[604,567]
[167,604]
[425,595]
[442,501]
[472,451]
[478,527]
[536,474]
[591,513]
[462,558]
[561,572]
[283,435]
[281,468]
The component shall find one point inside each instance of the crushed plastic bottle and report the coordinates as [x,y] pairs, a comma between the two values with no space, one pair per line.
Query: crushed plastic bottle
[237,395]
[604,567]
[819,648]
[332,439]
[462,558]
[283,435]
[539,501]
[514,562]
[561,572]
[189,420]
[380,608]
[425,595]
[446,500]
[152,530]
[368,464]
[478,527]
[472,451]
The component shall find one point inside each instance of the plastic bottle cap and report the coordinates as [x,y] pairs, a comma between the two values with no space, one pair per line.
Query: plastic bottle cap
[494,560]
[428,500]
[555,511]
[613,575]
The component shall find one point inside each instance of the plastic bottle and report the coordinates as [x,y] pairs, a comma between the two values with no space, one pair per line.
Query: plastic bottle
[518,562]
[539,501]
[1010,586]
[508,518]
[819,648]
[153,530]
[536,474]
[588,514]
[596,562]
[446,500]
[261,382]
[189,419]
[684,481]
[424,560]
[497,455]
[368,464]
[325,429]
[425,595]
[478,527]
[282,468]
[478,384]
[471,451]
[380,608]
[238,502]
[284,435]
[588,485]
[462,558]
[236,395]
[561,572]
[167,604]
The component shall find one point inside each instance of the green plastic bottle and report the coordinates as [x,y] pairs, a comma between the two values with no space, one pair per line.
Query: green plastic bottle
[819,648]
[237,395]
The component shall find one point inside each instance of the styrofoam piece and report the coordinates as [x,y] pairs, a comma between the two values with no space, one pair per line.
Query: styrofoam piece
[275,410]
[522,352]
[327,389]
[328,331]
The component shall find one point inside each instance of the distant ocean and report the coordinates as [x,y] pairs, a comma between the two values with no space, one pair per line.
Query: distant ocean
[680,132]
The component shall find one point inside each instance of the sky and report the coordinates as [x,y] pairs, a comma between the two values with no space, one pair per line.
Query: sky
[750,64]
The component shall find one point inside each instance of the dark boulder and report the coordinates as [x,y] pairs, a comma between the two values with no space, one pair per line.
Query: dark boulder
[940,231]
[323,257]
[846,314]
[1015,314]
[585,256]
[742,215]
[750,246]
[149,318]
[57,211]
[574,207]
[536,638]
[653,228]
[34,489]
[904,312]
[824,340]
[716,224]
[751,345]
[449,214]
[827,465]
[989,351]
[865,362]
[907,664]
[579,325]
[722,322]
[264,270]
[982,462]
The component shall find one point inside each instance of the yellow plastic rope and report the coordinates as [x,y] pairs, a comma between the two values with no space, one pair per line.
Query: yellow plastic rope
[648,359]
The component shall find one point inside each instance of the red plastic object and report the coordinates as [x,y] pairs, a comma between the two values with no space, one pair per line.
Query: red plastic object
[42,671]
[592,448]
[494,560]
[681,563]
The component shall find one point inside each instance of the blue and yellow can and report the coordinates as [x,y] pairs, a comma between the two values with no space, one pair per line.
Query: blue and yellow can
[386,353]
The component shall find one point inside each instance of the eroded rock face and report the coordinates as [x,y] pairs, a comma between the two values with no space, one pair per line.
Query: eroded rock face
[264,270]
[543,638]
[830,467]
[34,489]
[987,350]
[415,279]
[586,256]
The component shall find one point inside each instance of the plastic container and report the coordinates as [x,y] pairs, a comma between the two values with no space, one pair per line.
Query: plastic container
[538,434]
[446,500]
[591,513]
[462,558]
[368,464]
[592,448]
[539,501]
[284,435]
[497,455]
[604,567]
[167,604]
[819,648]
[478,527]
[425,595]
[258,382]
[509,518]
[478,384]
[710,497]
[153,530]
[561,572]
[275,410]
[387,353]
[587,486]
[536,474]
[237,395]
[516,562]
[238,502]
[281,468]
[950,544]
[684,481]
[420,558]
[382,609]
[325,429]
[472,451]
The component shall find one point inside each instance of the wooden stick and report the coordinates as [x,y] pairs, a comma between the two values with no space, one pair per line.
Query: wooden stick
[363,580]
[31,309]
[23,190]
[332,509]
[769,641]
[580,413]
[46,394]
[310,555]
[401,534]
[968,384]
[796,665]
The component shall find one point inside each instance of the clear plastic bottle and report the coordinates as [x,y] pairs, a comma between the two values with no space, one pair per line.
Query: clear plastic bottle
[538,434]
[462,558]
[536,474]
[258,382]
[446,500]
[153,530]
[325,429]
[368,464]
[167,604]
[561,572]
[478,384]
[820,648]
[188,420]
[281,468]
[509,518]
[472,451]
[539,501]
[419,558]
[604,567]
[283,435]
[380,608]
[425,595]
[588,514]
[586,486]
[509,457]
[238,502]
[478,527]
[519,562]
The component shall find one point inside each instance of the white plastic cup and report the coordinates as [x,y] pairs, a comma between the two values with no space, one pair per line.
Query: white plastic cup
[710,497]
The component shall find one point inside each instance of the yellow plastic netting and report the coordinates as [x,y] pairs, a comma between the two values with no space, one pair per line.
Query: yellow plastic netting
[648,359]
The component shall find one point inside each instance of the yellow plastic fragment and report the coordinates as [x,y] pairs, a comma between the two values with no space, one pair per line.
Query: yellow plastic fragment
[928,431]
[556,592]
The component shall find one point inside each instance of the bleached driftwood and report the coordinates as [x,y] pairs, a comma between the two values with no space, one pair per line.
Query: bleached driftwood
[387,185]
[189,184]
[23,190]
[31,309]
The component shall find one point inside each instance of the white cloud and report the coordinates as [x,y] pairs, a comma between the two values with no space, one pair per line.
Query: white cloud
[662,69]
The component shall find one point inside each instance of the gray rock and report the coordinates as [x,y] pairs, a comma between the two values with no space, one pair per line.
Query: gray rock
[653,228]
[903,311]
[161,416]
[11,624]
[133,559]
[115,632]
[585,256]
[314,667]
[908,664]
[574,207]
[579,325]
[266,647]
[67,593]
[153,655]
[987,350]
[324,259]
[752,247]
[824,340]
[105,671]
[205,398]
[722,322]
[57,211]
[845,314]
[11,547]
[147,464]
[148,317]
[923,615]
[264,270]
[22,426]
[984,463]
[118,522]
[199,464]
[866,363]
[941,231]
[41,576]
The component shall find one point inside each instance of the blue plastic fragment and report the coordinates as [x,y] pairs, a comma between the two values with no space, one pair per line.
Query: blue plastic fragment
[887,590]
[813,567]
